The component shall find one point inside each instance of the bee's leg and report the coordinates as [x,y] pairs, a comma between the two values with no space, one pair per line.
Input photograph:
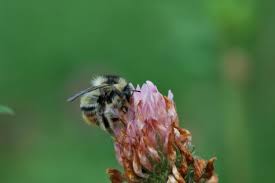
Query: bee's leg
[106,124]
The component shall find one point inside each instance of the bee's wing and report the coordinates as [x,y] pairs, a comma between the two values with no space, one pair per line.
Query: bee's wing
[72,98]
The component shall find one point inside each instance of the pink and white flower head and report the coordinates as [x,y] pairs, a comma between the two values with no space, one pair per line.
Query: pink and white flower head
[151,137]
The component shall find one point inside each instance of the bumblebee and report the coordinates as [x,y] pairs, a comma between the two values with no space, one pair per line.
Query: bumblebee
[104,101]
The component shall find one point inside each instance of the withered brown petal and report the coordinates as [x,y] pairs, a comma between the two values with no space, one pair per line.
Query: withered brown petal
[115,175]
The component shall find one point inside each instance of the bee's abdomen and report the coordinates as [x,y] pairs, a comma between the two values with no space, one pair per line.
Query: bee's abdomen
[89,114]
[90,117]
[88,108]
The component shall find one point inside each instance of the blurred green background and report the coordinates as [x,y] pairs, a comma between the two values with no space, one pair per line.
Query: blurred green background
[216,56]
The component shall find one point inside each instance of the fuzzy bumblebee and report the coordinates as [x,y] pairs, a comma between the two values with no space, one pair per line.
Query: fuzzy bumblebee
[104,101]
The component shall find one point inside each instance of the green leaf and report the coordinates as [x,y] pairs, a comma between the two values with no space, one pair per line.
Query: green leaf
[6,110]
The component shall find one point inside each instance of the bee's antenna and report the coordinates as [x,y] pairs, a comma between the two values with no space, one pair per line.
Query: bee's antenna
[72,98]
